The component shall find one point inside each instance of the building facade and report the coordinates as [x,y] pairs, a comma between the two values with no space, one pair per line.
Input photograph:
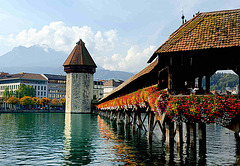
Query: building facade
[109,85]
[13,81]
[46,85]
[98,89]
[56,86]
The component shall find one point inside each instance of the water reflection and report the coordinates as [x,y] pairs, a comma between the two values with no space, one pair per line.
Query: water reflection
[59,139]
[79,132]
[135,149]
[123,153]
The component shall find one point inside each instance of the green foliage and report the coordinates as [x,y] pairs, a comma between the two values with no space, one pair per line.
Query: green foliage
[219,81]
[25,90]
[44,101]
[6,93]
[62,101]
[13,100]
[26,101]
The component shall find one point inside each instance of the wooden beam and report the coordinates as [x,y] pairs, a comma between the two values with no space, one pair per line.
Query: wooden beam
[208,84]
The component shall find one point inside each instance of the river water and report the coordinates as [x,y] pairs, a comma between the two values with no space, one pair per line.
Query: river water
[83,139]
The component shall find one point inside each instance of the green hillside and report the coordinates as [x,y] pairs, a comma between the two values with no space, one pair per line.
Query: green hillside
[219,81]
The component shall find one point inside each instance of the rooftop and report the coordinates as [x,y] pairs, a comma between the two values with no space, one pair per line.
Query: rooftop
[219,29]
[79,56]
[139,81]
[55,77]
[23,76]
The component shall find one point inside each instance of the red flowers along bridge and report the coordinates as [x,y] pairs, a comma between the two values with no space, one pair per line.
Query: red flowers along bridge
[169,92]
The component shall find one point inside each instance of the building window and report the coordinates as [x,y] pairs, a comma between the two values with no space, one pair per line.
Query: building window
[44,87]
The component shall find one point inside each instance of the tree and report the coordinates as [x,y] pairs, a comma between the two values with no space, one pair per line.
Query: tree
[36,101]
[6,93]
[219,81]
[13,101]
[54,102]
[26,101]
[44,101]
[25,90]
[62,101]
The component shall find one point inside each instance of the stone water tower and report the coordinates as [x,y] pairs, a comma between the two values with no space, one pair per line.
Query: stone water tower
[80,68]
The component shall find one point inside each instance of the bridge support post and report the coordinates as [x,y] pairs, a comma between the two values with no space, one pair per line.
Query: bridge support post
[134,121]
[150,125]
[118,117]
[193,134]
[193,137]
[179,136]
[111,115]
[127,118]
[169,134]
[139,120]
[202,139]
[186,131]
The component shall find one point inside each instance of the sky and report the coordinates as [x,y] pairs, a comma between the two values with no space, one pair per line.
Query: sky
[119,34]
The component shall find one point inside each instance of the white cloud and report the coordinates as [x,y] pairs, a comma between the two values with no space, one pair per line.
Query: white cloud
[105,47]
[135,60]
[60,37]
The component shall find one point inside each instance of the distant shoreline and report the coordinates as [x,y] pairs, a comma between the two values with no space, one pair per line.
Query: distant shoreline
[32,111]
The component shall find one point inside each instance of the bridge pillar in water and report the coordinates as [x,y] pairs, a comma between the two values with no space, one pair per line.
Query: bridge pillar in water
[169,134]
[80,68]
[150,125]
[202,139]
[179,136]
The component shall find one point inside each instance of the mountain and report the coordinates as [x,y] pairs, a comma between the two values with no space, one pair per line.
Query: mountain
[103,74]
[36,59]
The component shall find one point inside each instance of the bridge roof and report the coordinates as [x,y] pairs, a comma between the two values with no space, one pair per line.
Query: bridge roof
[121,89]
[219,29]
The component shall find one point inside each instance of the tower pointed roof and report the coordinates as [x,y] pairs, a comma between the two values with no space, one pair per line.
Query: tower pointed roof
[79,58]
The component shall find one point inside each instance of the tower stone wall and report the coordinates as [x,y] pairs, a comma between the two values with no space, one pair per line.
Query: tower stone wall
[80,68]
[79,92]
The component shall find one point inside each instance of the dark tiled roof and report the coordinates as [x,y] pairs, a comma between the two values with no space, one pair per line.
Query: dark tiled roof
[219,29]
[55,77]
[24,76]
[132,79]
[79,56]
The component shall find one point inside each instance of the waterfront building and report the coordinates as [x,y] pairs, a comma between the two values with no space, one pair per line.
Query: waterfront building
[56,86]
[13,81]
[98,89]
[110,85]
[80,68]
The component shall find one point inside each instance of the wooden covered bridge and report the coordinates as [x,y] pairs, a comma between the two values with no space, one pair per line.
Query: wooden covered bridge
[163,91]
